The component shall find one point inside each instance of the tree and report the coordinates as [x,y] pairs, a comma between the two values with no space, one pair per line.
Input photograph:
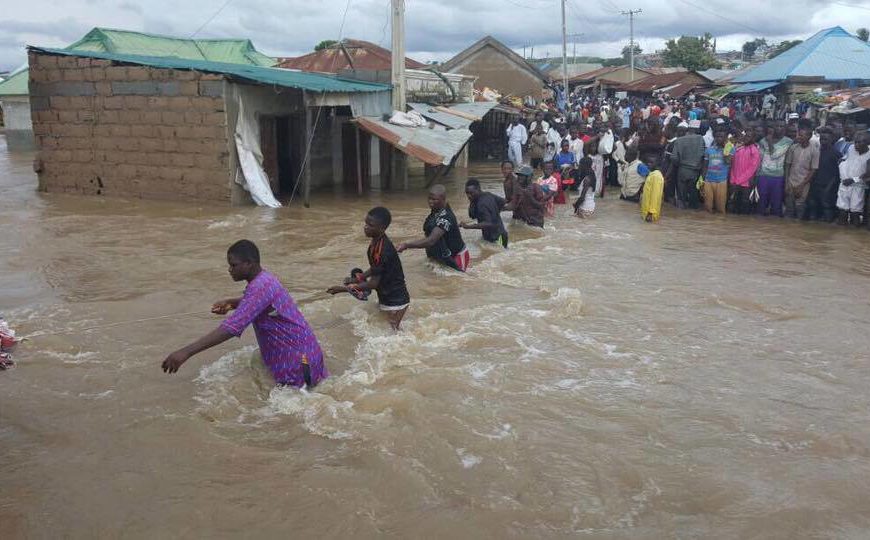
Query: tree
[863,34]
[610,62]
[325,44]
[784,46]
[626,52]
[691,52]
[750,47]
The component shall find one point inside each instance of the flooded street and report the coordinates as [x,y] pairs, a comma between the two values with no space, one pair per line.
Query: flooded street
[703,377]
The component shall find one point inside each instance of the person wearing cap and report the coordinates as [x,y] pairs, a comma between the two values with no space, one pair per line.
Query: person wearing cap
[686,162]
[527,202]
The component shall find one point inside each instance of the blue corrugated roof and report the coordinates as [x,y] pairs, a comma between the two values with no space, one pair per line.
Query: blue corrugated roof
[314,82]
[751,88]
[833,54]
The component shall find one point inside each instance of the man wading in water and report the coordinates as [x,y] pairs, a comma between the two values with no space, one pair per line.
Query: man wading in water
[287,344]
[443,242]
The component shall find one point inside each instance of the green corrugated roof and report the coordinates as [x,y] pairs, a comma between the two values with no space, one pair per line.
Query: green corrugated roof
[314,82]
[16,85]
[232,51]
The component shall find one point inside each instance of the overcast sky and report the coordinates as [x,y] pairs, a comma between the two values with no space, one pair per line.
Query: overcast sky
[436,29]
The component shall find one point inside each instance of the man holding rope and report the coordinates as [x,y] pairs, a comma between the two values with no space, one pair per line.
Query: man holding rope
[288,345]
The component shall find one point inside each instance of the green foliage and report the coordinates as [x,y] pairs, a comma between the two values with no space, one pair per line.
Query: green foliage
[324,44]
[626,52]
[863,34]
[691,52]
[784,46]
[750,47]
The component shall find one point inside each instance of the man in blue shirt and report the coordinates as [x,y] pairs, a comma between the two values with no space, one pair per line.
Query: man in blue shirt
[717,163]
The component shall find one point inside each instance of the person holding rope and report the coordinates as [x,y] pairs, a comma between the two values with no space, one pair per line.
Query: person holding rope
[287,343]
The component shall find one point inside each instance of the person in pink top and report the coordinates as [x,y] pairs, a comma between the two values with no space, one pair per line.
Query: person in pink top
[744,166]
[287,343]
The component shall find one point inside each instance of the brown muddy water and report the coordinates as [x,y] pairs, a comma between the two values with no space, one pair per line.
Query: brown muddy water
[704,377]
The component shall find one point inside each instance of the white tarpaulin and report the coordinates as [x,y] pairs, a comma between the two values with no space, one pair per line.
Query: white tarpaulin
[253,177]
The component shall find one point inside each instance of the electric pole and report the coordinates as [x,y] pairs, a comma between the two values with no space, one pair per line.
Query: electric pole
[574,55]
[399,161]
[631,13]
[398,57]
[564,52]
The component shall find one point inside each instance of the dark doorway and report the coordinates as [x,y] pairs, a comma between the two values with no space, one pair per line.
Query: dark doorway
[356,152]
[281,145]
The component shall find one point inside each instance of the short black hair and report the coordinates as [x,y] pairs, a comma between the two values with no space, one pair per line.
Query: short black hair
[381,215]
[245,250]
[472,182]
[355,271]
[508,162]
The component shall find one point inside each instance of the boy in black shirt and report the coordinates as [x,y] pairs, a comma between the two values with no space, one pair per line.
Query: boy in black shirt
[385,274]
[485,207]
[443,242]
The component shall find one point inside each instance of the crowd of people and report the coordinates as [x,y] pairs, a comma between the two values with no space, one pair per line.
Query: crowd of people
[741,156]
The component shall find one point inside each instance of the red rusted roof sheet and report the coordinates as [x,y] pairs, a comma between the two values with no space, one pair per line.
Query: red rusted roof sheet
[351,54]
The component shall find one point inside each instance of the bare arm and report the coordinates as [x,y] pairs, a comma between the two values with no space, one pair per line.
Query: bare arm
[179,357]
[423,243]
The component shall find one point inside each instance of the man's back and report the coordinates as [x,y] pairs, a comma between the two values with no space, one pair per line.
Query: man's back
[689,151]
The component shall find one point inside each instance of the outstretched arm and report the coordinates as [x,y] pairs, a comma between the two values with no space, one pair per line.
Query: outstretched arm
[176,359]
[423,243]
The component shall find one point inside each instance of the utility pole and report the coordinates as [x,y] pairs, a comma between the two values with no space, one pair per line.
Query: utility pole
[564,52]
[399,160]
[574,55]
[631,13]
[398,59]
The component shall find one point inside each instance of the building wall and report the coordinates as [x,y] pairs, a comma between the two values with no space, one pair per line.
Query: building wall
[129,131]
[18,127]
[498,72]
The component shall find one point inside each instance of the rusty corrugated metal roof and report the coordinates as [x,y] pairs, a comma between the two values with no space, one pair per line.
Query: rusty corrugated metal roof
[349,54]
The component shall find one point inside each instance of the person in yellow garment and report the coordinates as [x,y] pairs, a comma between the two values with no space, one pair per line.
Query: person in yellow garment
[653,191]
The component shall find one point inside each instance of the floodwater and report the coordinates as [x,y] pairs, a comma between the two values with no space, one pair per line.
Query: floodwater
[703,377]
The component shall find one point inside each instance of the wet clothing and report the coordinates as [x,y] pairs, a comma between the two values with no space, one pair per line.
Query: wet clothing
[450,244]
[652,196]
[771,192]
[286,340]
[487,209]
[801,161]
[687,158]
[385,264]
[745,165]
[528,204]
[631,180]
[851,198]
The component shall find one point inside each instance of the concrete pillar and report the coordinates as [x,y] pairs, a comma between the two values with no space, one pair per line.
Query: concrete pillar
[337,146]
[375,164]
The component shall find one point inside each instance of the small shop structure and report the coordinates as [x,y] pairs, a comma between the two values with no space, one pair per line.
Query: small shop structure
[496,66]
[607,80]
[674,85]
[15,95]
[192,130]
[832,59]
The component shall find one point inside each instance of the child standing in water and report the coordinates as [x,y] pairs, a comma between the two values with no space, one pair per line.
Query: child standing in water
[385,274]
[287,344]
[584,206]
[653,191]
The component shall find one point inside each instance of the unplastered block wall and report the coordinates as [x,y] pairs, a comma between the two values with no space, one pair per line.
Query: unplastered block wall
[104,128]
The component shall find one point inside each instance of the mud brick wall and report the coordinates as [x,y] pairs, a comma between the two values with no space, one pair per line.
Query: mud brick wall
[103,128]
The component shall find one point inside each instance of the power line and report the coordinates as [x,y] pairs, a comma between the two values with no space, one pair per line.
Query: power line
[631,13]
[203,25]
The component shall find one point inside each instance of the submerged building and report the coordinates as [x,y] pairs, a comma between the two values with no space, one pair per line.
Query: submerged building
[15,94]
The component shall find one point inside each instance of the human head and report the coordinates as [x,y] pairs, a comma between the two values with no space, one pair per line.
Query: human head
[539,116]
[861,140]
[524,174]
[507,168]
[791,131]
[356,272]
[720,136]
[437,197]
[472,189]
[652,161]
[585,164]
[826,138]
[548,168]
[377,221]
[779,129]
[243,260]
[748,137]
[848,131]
[565,145]
[803,136]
